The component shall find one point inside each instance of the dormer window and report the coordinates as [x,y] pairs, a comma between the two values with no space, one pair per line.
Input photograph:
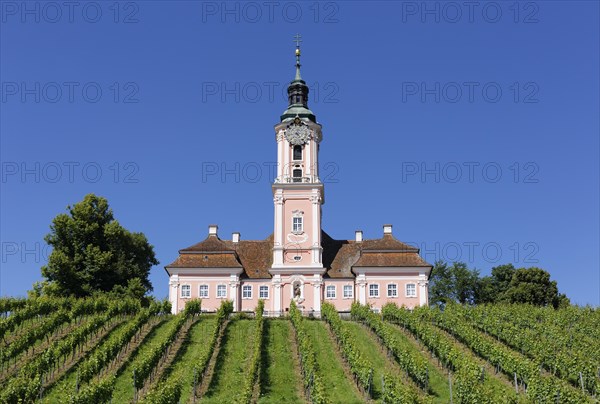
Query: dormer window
[297,152]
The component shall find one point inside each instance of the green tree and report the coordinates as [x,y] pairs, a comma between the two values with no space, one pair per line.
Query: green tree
[465,282]
[533,286]
[92,252]
[440,284]
[456,283]
[491,289]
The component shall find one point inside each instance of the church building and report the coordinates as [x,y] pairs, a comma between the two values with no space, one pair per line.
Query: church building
[299,261]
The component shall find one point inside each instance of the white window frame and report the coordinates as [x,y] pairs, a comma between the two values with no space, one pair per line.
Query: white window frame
[375,289]
[189,291]
[351,296]
[395,285]
[328,288]
[262,288]
[297,224]
[218,294]
[247,287]
[200,291]
[301,153]
[414,289]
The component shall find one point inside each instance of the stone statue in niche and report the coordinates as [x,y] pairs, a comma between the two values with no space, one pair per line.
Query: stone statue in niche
[297,295]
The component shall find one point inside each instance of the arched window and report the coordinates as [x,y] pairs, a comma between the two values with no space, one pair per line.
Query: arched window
[297,152]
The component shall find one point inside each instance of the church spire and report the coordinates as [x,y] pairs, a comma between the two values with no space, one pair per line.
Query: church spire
[298,93]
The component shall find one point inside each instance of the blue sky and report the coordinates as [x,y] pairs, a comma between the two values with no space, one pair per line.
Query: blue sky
[473,129]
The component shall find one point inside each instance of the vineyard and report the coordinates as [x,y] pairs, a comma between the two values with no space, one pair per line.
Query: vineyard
[102,350]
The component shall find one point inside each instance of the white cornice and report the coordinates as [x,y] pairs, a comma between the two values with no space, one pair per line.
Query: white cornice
[390,270]
[204,271]
[297,270]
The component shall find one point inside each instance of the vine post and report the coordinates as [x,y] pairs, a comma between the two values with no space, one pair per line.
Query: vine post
[450,386]
[195,384]
[134,388]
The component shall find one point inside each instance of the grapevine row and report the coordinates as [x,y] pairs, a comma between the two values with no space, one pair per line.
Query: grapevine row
[29,338]
[200,367]
[360,367]
[311,375]
[27,384]
[542,341]
[395,392]
[169,391]
[469,380]
[32,309]
[114,345]
[101,391]
[43,306]
[539,387]
[144,368]
[10,304]
[413,363]
[252,375]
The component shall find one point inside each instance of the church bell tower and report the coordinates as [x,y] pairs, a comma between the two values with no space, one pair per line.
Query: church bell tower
[298,192]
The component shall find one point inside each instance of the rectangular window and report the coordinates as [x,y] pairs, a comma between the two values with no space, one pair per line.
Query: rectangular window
[247,292]
[348,291]
[297,174]
[263,292]
[373,290]
[221,291]
[411,290]
[330,292]
[203,292]
[297,225]
[392,290]
[186,291]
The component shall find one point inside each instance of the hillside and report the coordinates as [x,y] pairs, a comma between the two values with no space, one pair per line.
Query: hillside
[98,350]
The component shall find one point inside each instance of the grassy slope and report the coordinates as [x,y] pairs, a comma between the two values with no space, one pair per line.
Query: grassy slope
[123,391]
[194,347]
[279,380]
[232,362]
[369,346]
[337,386]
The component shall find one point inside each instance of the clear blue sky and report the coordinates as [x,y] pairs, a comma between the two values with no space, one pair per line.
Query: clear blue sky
[474,130]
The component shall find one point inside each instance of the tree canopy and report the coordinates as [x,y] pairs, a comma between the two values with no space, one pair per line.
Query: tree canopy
[455,283]
[533,285]
[92,252]
[506,284]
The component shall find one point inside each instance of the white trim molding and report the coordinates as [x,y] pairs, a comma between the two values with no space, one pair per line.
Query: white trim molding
[207,288]
[328,288]
[247,288]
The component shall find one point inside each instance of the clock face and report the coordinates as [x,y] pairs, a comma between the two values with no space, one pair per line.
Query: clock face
[297,134]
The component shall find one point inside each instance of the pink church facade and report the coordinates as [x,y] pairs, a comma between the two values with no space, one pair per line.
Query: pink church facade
[299,261]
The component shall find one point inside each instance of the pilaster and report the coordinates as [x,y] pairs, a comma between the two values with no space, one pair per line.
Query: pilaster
[174,293]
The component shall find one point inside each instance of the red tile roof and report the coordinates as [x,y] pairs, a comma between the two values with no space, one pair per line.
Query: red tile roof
[339,256]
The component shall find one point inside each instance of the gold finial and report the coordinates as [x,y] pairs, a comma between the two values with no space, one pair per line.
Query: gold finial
[297,40]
